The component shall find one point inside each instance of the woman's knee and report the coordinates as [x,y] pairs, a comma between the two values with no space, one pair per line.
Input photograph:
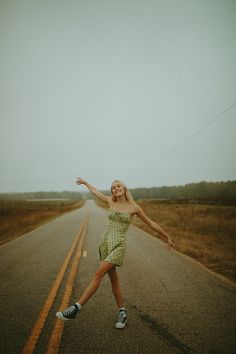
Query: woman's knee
[101,271]
[98,274]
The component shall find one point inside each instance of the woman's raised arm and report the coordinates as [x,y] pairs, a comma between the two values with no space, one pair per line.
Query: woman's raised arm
[93,190]
[140,213]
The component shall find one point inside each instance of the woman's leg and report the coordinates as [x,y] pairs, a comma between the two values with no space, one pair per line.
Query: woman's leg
[95,282]
[115,284]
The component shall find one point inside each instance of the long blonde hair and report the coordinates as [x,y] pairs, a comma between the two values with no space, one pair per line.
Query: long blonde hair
[128,195]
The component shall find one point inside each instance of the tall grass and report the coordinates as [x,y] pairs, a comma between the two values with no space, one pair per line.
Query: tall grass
[20,216]
[204,232]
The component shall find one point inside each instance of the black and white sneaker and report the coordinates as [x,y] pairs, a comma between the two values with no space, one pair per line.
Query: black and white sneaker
[122,319]
[69,313]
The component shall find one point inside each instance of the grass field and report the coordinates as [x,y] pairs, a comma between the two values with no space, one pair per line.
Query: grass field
[20,216]
[206,233]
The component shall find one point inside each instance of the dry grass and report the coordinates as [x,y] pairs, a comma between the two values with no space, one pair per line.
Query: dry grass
[203,232]
[20,216]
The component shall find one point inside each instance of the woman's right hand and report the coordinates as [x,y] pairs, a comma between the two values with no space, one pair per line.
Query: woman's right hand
[80,181]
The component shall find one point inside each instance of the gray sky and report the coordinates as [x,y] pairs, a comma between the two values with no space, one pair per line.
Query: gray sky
[104,89]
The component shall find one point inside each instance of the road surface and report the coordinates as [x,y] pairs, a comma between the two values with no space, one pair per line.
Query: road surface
[174,304]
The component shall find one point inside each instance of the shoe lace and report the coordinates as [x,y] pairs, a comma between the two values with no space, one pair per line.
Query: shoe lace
[69,311]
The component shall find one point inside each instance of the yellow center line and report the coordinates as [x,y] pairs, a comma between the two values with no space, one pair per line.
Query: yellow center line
[39,324]
[55,339]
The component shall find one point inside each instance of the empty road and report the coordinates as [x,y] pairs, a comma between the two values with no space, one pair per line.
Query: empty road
[174,304]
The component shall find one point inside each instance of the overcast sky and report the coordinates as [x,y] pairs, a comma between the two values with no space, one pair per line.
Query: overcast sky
[105,90]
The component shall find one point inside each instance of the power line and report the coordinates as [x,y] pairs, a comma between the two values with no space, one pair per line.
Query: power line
[187,139]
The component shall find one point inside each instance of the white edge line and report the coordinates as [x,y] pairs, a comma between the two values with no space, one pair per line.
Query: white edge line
[19,237]
[219,276]
[194,261]
[37,228]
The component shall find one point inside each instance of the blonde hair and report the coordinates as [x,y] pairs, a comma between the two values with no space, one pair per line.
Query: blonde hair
[128,195]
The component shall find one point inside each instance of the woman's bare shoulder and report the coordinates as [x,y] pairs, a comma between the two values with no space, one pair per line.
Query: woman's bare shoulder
[110,201]
[136,208]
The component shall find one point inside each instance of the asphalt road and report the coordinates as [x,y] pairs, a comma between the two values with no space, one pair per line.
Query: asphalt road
[174,304]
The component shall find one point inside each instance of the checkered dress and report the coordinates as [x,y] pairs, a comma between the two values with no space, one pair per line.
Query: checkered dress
[112,242]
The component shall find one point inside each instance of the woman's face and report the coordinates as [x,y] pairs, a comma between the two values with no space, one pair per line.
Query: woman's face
[117,189]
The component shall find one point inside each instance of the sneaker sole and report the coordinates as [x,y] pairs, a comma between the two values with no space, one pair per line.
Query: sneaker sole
[121,325]
[61,317]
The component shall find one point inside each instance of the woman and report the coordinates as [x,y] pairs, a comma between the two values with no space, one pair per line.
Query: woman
[122,207]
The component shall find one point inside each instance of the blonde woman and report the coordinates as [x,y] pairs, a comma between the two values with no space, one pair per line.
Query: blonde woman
[122,208]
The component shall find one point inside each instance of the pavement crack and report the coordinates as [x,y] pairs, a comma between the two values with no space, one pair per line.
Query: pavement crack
[163,284]
[162,331]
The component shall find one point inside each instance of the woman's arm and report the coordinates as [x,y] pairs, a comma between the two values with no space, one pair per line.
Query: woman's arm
[140,213]
[93,190]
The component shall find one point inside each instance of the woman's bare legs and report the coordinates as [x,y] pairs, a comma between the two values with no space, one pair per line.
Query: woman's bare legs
[115,284]
[95,282]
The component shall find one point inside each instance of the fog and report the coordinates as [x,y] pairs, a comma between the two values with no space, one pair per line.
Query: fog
[110,90]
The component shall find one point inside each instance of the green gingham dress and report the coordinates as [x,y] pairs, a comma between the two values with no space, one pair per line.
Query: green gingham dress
[112,243]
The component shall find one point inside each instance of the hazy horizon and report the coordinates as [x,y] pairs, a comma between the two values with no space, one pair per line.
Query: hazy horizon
[116,90]
[85,189]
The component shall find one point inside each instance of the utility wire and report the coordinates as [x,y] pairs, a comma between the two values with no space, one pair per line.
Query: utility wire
[187,139]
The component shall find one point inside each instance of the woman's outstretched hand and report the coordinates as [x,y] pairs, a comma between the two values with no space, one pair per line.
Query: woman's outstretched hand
[170,244]
[80,181]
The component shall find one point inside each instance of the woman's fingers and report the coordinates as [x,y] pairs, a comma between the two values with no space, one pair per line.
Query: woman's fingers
[170,244]
[79,181]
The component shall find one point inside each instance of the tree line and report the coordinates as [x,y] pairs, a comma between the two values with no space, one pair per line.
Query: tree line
[202,189]
[223,190]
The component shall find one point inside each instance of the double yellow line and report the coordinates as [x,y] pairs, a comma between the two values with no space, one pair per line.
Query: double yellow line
[54,341]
